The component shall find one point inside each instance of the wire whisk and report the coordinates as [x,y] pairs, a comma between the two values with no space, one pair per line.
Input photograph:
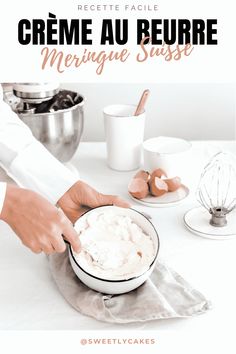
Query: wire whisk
[216,191]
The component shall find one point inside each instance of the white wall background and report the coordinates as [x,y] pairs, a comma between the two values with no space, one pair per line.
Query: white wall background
[191,111]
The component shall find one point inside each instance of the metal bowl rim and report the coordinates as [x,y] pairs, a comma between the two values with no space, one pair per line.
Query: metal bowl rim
[78,105]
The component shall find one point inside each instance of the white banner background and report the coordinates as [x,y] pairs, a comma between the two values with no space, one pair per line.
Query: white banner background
[213,63]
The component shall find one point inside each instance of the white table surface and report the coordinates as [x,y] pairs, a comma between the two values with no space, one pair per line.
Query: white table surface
[29,299]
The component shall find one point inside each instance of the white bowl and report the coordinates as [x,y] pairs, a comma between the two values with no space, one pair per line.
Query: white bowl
[173,155]
[108,286]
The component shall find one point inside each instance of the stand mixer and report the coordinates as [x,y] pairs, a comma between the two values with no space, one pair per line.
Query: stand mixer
[55,116]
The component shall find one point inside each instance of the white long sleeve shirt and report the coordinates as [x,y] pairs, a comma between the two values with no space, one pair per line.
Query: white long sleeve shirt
[27,161]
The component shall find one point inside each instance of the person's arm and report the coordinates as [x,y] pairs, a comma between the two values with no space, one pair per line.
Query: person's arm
[33,167]
[38,223]
[27,161]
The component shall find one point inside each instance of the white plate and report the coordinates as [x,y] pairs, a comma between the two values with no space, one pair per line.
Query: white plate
[166,200]
[197,221]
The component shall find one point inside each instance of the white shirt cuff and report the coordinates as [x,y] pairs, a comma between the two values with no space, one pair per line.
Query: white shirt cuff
[36,169]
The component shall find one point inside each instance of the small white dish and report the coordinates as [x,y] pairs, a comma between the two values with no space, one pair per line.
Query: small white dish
[197,221]
[167,200]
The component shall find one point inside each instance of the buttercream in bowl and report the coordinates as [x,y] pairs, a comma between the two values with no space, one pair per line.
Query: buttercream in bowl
[114,247]
[119,249]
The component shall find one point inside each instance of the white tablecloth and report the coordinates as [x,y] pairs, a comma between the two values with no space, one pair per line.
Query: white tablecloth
[29,299]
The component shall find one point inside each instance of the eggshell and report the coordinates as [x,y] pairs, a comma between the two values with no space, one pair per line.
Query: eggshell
[173,183]
[138,188]
[158,173]
[157,186]
[145,175]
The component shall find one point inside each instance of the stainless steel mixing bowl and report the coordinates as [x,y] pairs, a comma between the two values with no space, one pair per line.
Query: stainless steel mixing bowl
[60,131]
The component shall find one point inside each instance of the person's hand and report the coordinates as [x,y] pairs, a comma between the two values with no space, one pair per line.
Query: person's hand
[81,197]
[38,223]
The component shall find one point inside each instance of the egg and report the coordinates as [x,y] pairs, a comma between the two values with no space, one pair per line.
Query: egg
[145,175]
[158,173]
[138,188]
[157,186]
[173,183]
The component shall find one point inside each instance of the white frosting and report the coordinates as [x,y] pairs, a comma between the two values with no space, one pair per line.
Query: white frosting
[114,247]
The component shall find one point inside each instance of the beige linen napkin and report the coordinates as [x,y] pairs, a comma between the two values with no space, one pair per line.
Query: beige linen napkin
[165,295]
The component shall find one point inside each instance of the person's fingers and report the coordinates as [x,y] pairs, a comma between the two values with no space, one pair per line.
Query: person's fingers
[58,244]
[120,202]
[112,200]
[33,245]
[46,246]
[48,250]
[71,236]
[36,249]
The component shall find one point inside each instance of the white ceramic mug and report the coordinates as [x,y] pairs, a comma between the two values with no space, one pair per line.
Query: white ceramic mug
[173,155]
[124,136]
